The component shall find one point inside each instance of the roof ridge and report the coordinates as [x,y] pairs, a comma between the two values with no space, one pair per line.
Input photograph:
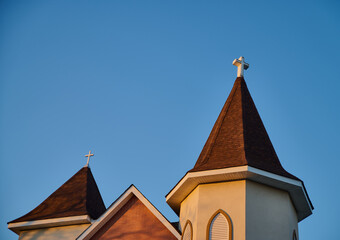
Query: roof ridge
[243,116]
[217,130]
[94,202]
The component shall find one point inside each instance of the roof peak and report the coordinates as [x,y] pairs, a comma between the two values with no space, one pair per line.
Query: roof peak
[77,196]
[239,137]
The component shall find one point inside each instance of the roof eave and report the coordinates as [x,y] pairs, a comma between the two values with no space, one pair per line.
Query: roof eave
[17,227]
[191,180]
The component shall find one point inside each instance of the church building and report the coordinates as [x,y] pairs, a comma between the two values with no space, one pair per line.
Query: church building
[237,190]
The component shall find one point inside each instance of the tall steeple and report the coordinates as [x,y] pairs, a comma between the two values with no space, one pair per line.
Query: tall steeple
[239,137]
[238,187]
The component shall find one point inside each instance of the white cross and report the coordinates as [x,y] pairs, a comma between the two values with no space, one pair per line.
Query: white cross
[241,66]
[88,158]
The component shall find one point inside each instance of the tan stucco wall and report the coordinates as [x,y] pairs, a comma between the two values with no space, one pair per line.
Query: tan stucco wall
[188,210]
[206,199]
[56,233]
[257,211]
[270,213]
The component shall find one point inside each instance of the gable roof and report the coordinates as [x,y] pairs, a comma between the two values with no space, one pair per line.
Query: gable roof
[239,137]
[129,194]
[76,197]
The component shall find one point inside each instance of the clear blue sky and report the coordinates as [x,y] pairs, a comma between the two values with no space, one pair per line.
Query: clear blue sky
[141,83]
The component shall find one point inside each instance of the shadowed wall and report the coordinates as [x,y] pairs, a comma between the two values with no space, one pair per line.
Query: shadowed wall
[55,233]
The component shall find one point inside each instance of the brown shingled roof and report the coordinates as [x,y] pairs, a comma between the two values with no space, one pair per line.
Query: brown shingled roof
[239,137]
[78,196]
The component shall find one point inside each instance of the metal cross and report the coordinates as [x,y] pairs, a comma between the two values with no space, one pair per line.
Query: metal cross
[241,66]
[88,158]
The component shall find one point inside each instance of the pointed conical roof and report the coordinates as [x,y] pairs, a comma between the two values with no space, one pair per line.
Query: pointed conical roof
[78,196]
[239,137]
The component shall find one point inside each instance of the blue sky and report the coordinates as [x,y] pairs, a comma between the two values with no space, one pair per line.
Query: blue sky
[141,83]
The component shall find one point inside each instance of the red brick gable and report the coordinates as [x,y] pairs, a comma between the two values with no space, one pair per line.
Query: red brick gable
[133,221]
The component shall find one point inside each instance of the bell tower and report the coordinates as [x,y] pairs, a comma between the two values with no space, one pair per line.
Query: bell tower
[238,188]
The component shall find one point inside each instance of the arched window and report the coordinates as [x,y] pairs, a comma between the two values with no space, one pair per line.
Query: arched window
[219,227]
[294,235]
[187,232]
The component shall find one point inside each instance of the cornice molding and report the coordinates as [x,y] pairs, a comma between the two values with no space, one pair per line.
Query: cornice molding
[191,180]
[48,223]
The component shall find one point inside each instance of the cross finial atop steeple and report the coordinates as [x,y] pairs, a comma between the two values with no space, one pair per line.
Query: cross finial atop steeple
[241,65]
[88,158]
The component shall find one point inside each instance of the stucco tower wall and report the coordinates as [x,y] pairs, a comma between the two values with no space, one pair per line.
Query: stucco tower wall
[206,199]
[270,213]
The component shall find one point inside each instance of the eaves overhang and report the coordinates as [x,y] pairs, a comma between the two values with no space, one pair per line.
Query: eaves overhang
[191,180]
[48,223]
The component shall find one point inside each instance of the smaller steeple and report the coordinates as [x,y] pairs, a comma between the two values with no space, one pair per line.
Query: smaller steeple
[77,202]
[78,196]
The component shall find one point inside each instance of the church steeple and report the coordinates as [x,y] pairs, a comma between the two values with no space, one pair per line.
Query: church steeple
[239,137]
[78,196]
[238,186]
[77,201]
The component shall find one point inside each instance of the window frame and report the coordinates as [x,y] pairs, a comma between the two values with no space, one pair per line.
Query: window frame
[188,223]
[228,220]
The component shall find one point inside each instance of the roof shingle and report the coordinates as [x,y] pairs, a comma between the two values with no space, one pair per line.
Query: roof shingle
[78,196]
[239,137]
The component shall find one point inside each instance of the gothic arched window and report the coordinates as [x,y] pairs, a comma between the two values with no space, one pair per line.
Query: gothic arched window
[187,232]
[219,227]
